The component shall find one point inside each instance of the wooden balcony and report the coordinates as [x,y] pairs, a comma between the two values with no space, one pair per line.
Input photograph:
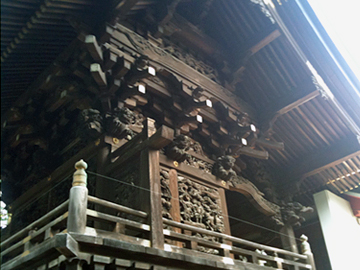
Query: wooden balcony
[68,237]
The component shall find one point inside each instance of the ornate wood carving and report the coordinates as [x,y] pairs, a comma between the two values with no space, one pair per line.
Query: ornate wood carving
[255,196]
[223,168]
[292,213]
[185,73]
[117,123]
[91,124]
[200,205]
[191,61]
[177,150]
[166,195]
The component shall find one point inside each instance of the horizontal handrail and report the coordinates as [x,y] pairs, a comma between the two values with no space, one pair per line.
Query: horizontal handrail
[233,239]
[55,212]
[106,217]
[182,237]
[117,207]
[35,234]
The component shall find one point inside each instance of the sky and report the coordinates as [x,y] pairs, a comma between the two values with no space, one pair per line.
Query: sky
[341,20]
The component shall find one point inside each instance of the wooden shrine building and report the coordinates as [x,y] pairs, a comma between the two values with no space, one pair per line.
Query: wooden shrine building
[200,130]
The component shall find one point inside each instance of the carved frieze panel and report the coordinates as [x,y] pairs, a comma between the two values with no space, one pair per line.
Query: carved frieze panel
[132,41]
[184,149]
[191,61]
[199,164]
[200,205]
[118,123]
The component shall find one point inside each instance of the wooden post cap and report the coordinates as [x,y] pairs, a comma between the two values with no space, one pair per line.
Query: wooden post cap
[81,164]
[80,176]
[305,246]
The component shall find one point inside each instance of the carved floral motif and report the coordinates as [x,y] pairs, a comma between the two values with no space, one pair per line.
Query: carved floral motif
[200,206]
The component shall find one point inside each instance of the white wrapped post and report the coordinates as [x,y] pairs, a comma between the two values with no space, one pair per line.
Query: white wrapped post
[306,250]
[78,200]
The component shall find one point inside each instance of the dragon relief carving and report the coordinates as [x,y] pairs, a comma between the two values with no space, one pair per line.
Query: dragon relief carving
[178,148]
[292,213]
[117,123]
[223,168]
[91,123]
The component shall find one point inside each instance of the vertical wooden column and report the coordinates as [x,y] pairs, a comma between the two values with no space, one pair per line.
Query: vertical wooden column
[78,200]
[175,204]
[226,220]
[288,239]
[104,189]
[150,180]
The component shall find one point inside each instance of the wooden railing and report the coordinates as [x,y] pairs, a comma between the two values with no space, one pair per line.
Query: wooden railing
[38,231]
[130,225]
[233,247]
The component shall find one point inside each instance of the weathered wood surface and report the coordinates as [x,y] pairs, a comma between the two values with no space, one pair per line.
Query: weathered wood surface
[34,234]
[40,222]
[192,172]
[60,244]
[117,207]
[159,139]
[186,74]
[234,239]
[59,174]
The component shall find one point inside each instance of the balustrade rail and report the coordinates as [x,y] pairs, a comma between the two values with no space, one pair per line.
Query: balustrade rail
[130,225]
[38,231]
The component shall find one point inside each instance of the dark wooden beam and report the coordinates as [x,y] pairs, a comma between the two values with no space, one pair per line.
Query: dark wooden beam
[252,46]
[182,30]
[294,99]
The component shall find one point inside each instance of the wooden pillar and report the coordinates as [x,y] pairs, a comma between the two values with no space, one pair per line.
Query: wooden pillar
[150,180]
[288,239]
[175,204]
[104,189]
[78,200]
[224,211]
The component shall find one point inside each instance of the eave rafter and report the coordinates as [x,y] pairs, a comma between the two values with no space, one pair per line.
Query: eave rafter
[318,162]
[297,97]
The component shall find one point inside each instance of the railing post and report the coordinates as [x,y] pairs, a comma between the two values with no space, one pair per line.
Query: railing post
[78,200]
[306,250]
